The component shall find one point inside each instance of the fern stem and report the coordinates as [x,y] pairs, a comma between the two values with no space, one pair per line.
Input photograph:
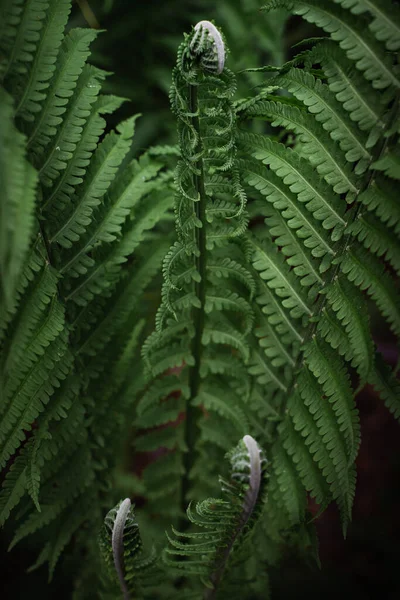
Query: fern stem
[192,431]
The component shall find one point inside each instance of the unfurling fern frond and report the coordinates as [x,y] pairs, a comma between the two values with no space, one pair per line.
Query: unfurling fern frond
[205,313]
[227,523]
[122,552]
[76,257]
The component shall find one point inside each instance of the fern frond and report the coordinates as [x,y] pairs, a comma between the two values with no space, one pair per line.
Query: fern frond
[73,54]
[30,88]
[377,238]
[348,85]
[66,361]
[274,270]
[101,172]
[153,208]
[13,488]
[212,398]
[350,32]
[205,311]
[299,176]
[388,164]
[385,24]
[329,112]
[22,25]
[351,310]
[56,498]
[339,472]
[18,182]
[316,143]
[330,373]
[60,148]
[122,552]
[72,171]
[380,198]
[226,522]
[365,271]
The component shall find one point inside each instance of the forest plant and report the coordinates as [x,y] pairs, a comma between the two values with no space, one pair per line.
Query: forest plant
[69,296]
[228,525]
[264,323]
[205,310]
[331,235]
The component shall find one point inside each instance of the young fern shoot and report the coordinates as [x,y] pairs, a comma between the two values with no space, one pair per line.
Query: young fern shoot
[228,522]
[195,328]
[121,548]
[117,541]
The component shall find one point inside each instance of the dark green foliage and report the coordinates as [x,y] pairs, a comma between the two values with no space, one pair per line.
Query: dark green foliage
[272,276]
[71,302]
[207,558]
[321,253]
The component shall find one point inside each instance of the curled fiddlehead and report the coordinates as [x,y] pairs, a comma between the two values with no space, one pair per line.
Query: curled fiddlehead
[121,548]
[224,525]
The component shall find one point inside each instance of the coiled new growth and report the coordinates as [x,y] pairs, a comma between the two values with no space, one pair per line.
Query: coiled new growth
[117,542]
[213,53]
[199,321]
[121,548]
[227,522]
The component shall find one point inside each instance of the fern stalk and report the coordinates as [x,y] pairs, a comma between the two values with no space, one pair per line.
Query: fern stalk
[192,431]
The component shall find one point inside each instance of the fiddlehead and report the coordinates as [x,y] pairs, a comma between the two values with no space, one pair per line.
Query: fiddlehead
[122,553]
[225,525]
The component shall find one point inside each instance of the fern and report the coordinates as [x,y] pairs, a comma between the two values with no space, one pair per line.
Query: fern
[228,523]
[320,250]
[199,319]
[73,217]
[121,549]
[18,186]
[282,262]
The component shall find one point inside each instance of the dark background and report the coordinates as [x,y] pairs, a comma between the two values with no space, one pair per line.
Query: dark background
[139,47]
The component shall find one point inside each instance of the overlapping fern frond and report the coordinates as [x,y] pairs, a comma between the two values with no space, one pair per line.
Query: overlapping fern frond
[330,242]
[76,257]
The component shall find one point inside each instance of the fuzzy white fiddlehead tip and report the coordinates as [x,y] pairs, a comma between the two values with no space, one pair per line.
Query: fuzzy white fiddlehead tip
[218,41]
[255,473]
[117,541]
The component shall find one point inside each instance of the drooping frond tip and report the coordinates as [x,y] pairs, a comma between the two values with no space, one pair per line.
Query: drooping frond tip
[214,53]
